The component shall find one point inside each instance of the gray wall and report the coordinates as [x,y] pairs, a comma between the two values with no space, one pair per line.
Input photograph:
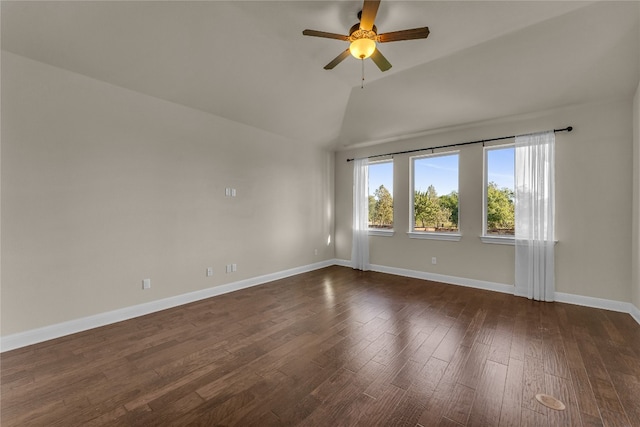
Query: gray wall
[103,187]
[635,247]
[594,183]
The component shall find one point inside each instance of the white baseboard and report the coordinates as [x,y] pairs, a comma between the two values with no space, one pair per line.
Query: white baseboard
[453,280]
[34,336]
[342,262]
[635,313]
[605,304]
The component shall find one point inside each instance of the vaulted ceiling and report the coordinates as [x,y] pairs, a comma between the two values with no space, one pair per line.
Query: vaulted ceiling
[249,62]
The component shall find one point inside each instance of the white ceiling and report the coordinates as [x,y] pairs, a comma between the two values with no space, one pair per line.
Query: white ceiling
[248,61]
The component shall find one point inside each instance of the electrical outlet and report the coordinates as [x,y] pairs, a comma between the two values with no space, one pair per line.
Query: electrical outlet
[234,267]
[315,252]
[146,284]
[209,272]
[228,268]
[434,260]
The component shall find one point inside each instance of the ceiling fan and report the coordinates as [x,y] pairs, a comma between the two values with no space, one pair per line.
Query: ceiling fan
[364,35]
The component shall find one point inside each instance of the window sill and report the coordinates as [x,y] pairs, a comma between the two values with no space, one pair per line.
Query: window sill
[496,240]
[381,232]
[452,237]
[502,240]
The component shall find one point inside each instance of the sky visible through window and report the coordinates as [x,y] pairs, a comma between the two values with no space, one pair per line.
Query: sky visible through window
[442,172]
[439,171]
[380,174]
[501,167]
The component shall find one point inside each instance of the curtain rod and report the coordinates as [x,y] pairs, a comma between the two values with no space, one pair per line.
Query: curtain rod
[481,141]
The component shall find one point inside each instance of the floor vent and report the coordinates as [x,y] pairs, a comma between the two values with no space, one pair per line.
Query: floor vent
[550,402]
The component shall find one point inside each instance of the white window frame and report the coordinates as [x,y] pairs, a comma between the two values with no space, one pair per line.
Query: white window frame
[430,235]
[384,232]
[490,238]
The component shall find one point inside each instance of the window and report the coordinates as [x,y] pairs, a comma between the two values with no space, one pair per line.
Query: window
[381,195]
[499,192]
[434,201]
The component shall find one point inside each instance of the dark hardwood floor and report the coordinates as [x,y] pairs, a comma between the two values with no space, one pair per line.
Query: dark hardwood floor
[336,347]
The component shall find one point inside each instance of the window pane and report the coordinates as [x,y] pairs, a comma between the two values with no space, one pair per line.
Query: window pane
[500,212]
[435,193]
[381,195]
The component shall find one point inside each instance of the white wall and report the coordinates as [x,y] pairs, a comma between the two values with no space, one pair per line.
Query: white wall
[593,208]
[102,187]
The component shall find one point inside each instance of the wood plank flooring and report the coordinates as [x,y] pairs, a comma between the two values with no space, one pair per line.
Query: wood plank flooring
[336,347]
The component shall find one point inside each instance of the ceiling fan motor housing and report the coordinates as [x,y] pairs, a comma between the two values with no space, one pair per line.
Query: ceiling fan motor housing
[356,33]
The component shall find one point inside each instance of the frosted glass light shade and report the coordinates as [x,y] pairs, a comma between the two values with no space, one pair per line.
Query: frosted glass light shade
[362,48]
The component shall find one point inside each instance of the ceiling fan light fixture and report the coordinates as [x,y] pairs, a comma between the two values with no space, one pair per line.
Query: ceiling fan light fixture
[362,48]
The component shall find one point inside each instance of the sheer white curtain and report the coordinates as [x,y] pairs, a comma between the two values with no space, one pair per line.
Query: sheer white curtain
[534,209]
[360,246]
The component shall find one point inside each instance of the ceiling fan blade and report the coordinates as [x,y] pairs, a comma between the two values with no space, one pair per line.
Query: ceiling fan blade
[324,34]
[412,34]
[369,11]
[380,60]
[338,59]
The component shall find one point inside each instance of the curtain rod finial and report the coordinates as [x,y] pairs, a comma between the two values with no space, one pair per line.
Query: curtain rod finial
[570,128]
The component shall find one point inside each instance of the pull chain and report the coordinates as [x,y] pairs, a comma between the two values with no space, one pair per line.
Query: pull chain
[362,83]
